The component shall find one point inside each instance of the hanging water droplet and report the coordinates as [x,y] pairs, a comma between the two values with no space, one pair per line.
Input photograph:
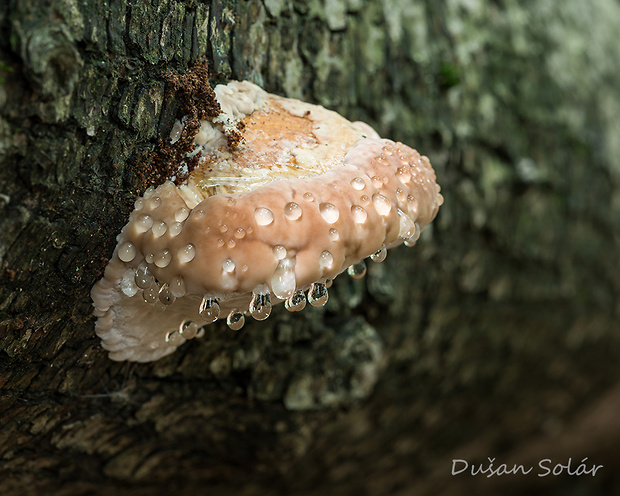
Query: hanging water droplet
[334,235]
[296,302]
[127,251]
[380,254]
[177,287]
[188,329]
[235,320]
[228,266]
[283,280]
[263,216]
[358,270]
[128,284]
[174,338]
[329,212]
[260,306]
[149,192]
[279,252]
[139,204]
[165,295]
[414,237]
[187,253]
[309,197]
[406,225]
[292,211]
[150,294]
[149,258]
[358,214]
[318,295]
[239,233]
[144,279]
[209,309]
[326,261]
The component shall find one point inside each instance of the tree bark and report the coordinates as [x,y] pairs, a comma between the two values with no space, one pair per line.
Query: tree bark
[496,337]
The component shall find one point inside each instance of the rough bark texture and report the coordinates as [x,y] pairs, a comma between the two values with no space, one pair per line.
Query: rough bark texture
[497,336]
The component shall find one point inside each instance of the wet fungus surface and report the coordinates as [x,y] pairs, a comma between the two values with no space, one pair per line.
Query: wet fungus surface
[273,199]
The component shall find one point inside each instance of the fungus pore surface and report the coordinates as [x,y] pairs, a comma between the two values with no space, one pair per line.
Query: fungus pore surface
[284,197]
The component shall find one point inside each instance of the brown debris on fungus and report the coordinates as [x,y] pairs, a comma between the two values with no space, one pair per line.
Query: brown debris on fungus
[285,196]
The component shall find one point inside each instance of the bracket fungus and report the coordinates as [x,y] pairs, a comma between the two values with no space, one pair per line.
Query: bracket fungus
[284,196]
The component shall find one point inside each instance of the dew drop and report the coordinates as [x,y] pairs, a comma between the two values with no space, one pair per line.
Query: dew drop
[403,174]
[377,182]
[239,233]
[162,259]
[235,319]
[358,183]
[209,309]
[143,223]
[382,204]
[187,253]
[292,211]
[358,214]
[317,294]
[232,243]
[127,251]
[128,284]
[188,329]
[260,305]
[223,228]
[326,261]
[279,252]
[414,237]
[139,204]
[263,216]
[165,295]
[144,279]
[177,287]
[380,254]
[198,214]
[365,199]
[155,202]
[149,258]
[174,338]
[329,212]
[228,266]
[175,229]
[150,294]
[159,229]
[296,302]
[358,270]
[283,280]
[406,225]
[309,197]
[333,234]
[149,192]
[401,196]
[181,214]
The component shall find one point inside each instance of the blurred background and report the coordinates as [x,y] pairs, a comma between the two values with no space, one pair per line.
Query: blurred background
[494,340]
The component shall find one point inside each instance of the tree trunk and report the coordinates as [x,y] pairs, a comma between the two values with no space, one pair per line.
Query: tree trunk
[496,337]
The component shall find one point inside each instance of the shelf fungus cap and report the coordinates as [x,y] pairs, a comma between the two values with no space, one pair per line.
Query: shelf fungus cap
[286,195]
